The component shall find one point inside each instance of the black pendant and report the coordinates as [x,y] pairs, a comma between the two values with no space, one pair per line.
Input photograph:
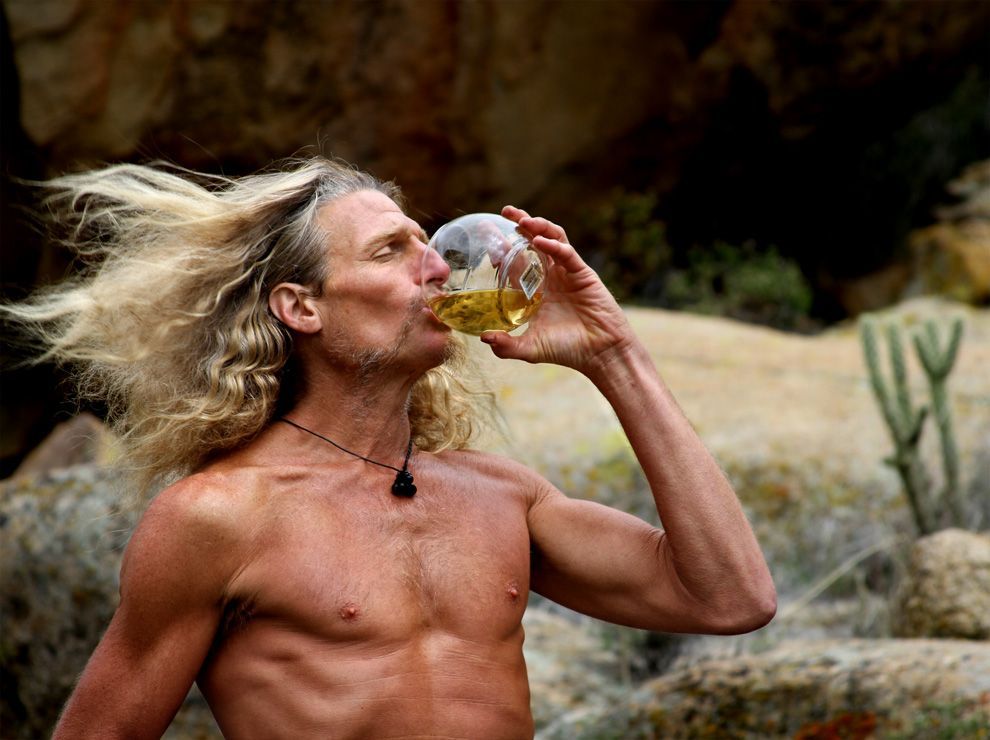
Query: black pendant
[403,485]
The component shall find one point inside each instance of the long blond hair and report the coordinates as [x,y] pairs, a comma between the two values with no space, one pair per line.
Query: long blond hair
[168,321]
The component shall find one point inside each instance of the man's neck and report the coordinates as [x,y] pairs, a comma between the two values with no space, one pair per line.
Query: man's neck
[366,414]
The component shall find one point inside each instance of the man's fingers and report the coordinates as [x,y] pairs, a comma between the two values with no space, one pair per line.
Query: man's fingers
[543,227]
[536,226]
[514,214]
[560,252]
[549,238]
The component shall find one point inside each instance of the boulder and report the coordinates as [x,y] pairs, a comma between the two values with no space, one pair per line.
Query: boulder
[570,665]
[833,689]
[63,534]
[79,440]
[947,589]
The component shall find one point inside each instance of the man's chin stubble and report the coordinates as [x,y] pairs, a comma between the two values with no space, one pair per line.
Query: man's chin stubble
[371,364]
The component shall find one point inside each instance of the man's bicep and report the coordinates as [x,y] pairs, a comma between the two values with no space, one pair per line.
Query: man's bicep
[605,563]
[171,596]
[136,679]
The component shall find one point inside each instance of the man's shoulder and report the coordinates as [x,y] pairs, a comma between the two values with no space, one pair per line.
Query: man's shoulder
[207,503]
[196,532]
[497,467]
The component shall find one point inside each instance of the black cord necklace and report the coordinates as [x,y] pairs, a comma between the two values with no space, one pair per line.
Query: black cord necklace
[403,485]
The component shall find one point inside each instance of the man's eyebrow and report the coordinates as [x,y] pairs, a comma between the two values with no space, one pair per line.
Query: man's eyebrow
[394,233]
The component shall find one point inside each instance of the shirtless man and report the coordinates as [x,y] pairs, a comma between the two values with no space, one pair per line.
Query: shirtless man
[309,601]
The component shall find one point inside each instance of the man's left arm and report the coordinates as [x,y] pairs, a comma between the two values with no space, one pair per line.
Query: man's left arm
[704,572]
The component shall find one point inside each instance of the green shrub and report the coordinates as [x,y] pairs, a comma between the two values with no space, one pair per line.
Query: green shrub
[634,242]
[742,282]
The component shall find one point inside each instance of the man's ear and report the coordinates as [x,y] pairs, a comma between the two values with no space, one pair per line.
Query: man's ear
[293,305]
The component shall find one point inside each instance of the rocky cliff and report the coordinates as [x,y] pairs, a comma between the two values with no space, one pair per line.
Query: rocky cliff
[751,119]
[827,129]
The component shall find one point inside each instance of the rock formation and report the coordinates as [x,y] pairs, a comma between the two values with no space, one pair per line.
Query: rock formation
[947,590]
[808,690]
[477,104]
[63,534]
[826,129]
[952,256]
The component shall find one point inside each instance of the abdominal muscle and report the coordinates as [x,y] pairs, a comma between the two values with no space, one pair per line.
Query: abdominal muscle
[269,681]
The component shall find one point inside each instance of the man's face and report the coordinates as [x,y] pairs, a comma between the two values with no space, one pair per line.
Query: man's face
[374,315]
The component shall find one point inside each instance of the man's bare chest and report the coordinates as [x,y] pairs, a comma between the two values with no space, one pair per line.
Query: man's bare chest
[389,569]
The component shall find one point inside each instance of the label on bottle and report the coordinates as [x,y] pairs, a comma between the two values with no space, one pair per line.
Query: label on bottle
[529,281]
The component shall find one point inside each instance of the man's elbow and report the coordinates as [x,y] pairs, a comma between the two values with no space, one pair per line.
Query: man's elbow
[762,611]
[743,610]
[748,611]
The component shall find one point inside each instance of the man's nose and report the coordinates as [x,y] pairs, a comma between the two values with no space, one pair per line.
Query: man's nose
[435,268]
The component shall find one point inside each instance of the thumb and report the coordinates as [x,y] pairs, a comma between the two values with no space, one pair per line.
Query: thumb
[503,344]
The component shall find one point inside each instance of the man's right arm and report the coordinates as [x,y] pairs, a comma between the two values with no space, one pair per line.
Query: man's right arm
[173,580]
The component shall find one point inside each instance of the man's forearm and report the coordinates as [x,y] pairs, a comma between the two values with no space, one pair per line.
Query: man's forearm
[710,542]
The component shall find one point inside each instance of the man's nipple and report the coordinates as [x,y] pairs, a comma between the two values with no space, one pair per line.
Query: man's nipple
[512,590]
[349,612]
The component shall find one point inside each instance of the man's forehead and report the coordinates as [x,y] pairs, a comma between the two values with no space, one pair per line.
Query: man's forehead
[363,216]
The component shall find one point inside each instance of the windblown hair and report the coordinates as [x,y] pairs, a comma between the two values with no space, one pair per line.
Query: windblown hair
[168,321]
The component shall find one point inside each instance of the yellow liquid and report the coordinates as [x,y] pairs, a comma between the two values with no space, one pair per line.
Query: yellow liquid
[475,311]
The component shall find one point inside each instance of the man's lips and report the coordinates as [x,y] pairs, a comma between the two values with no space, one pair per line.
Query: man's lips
[423,307]
[433,316]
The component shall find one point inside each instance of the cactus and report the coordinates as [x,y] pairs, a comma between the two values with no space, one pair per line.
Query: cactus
[937,367]
[903,421]
[906,423]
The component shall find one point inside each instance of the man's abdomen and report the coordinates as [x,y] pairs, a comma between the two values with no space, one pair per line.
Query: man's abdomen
[271,681]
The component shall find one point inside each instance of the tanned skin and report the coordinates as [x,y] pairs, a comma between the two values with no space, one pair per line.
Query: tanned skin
[308,601]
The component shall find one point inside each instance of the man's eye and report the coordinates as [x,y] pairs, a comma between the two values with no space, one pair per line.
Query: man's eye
[388,251]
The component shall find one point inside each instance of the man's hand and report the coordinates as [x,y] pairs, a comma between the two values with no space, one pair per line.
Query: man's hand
[579,325]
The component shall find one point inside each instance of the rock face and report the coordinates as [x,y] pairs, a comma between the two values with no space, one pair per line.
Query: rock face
[793,124]
[808,690]
[947,592]
[952,257]
[472,104]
